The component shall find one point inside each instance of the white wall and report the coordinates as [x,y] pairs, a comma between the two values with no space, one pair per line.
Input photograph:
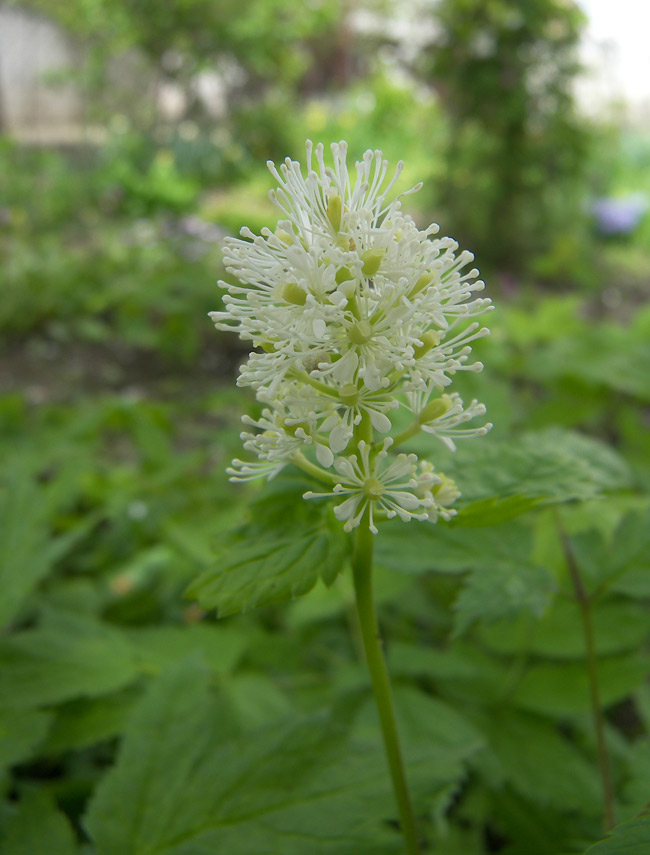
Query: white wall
[31,48]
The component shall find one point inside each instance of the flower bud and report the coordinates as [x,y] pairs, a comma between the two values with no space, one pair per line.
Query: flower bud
[372,259]
[430,339]
[293,293]
[349,394]
[361,332]
[434,409]
[335,212]
[343,274]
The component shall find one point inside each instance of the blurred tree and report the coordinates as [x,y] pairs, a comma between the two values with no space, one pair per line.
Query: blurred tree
[264,50]
[516,150]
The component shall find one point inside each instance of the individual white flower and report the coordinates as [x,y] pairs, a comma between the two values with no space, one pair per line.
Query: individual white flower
[441,416]
[373,486]
[440,491]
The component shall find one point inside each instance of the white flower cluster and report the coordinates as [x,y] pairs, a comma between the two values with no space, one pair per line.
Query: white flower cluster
[355,313]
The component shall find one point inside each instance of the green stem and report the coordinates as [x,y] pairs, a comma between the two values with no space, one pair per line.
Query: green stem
[413,430]
[311,469]
[304,377]
[362,571]
[584,603]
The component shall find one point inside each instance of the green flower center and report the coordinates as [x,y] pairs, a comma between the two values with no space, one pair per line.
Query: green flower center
[373,488]
[361,332]
[349,395]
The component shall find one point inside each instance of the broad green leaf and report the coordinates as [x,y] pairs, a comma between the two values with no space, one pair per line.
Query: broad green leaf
[281,554]
[447,549]
[182,786]
[503,590]
[629,838]
[465,672]
[21,731]
[563,689]
[255,699]
[86,721]
[27,546]
[559,634]
[287,545]
[548,467]
[624,563]
[494,511]
[66,657]
[451,664]
[269,571]
[38,828]
[634,793]
[159,646]
[426,722]
[608,355]
[542,764]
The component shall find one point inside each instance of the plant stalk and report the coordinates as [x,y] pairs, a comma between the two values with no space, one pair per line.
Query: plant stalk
[362,571]
[584,603]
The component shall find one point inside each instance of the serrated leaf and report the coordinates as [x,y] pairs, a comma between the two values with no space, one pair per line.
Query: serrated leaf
[270,569]
[563,689]
[547,467]
[287,545]
[181,787]
[629,838]
[67,657]
[38,828]
[503,590]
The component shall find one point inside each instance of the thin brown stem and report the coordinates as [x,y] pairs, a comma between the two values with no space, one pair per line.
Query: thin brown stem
[584,603]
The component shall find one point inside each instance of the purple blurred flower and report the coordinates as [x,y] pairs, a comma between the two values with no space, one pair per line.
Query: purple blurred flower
[619,216]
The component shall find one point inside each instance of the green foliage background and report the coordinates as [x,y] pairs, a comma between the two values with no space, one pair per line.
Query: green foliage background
[164,686]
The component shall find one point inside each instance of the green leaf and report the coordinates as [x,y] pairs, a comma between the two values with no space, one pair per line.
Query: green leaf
[27,547]
[563,689]
[159,646]
[464,671]
[494,510]
[185,784]
[499,478]
[559,634]
[447,549]
[609,356]
[85,721]
[255,699]
[258,574]
[20,732]
[67,657]
[629,838]
[454,663]
[503,590]
[542,764]
[624,563]
[288,545]
[38,828]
